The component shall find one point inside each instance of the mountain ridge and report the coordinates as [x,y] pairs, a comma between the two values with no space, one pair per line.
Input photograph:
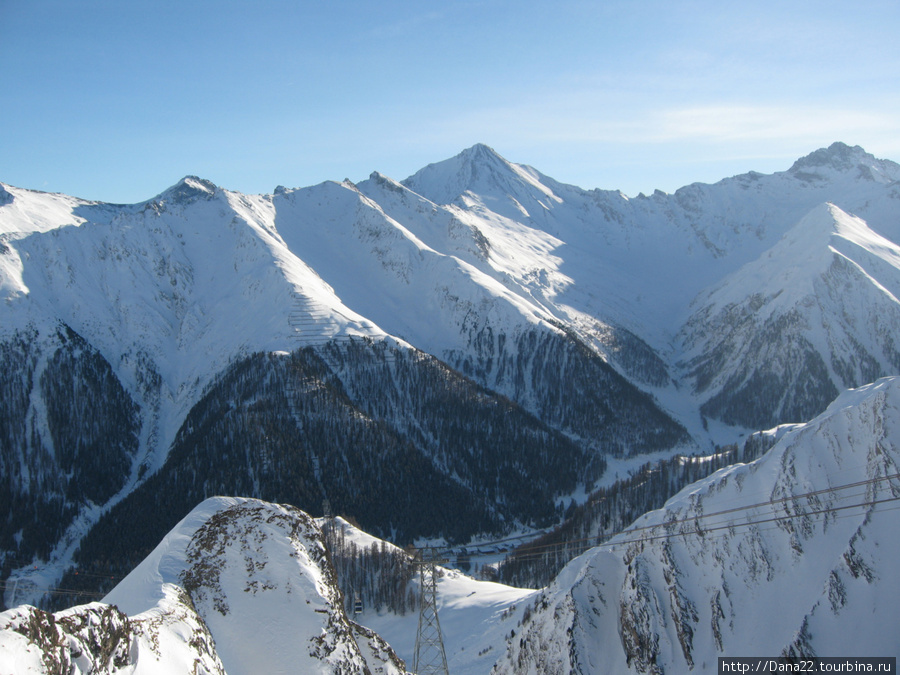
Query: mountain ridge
[843,157]
[572,306]
[821,312]
[700,577]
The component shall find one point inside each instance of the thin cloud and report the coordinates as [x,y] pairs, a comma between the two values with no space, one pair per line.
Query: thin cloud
[748,123]
[709,123]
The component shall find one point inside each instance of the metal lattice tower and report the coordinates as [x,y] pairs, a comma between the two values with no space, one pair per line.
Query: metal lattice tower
[430,657]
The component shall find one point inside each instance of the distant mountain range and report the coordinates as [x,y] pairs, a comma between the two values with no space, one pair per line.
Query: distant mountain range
[461,352]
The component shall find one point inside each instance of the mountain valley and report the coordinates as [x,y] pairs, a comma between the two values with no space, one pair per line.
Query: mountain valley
[456,357]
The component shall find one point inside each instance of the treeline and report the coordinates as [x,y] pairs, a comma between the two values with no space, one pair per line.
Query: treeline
[406,446]
[68,435]
[571,388]
[782,377]
[610,510]
[379,577]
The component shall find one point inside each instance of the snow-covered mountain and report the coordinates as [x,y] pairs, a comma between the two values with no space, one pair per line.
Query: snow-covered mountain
[816,314]
[474,342]
[792,554]
[239,586]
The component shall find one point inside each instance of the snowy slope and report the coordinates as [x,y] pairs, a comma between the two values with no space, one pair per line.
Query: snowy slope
[178,285]
[636,263]
[476,616]
[172,290]
[631,275]
[809,529]
[143,306]
[258,575]
[375,262]
[476,619]
[482,248]
[239,586]
[242,586]
[817,313]
[570,302]
[97,638]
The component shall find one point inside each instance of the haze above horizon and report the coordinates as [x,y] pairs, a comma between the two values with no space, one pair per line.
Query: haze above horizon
[117,101]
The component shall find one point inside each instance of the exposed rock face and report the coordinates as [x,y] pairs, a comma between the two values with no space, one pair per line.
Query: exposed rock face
[98,638]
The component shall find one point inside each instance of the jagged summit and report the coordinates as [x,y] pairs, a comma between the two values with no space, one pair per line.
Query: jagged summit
[838,155]
[442,182]
[480,152]
[387,182]
[843,158]
[188,190]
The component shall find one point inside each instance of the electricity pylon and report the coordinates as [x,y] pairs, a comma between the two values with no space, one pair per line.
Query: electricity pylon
[430,657]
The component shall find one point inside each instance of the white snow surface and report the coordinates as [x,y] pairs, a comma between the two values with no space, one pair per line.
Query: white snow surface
[169,638]
[766,575]
[476,616]
[831,279]
[258,583]
[200,274]
[189,281]
[258,576]
[238,586]
[806,252]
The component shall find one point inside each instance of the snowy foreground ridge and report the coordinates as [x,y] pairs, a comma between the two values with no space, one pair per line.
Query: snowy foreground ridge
[794,553]
[239,586]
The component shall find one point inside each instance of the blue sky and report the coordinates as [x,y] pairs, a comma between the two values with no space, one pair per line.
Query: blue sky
[117,100]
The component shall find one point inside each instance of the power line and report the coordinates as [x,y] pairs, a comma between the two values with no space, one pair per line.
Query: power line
[73,592]
[611,544]
[13,583]
[768,503]
[539,551]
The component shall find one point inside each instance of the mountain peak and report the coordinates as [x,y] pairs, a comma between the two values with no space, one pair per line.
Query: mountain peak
[483,159]
[844,159]
[385,181]
[480,170]
[476,167]
[188,190]
[837,155]
[481,153]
